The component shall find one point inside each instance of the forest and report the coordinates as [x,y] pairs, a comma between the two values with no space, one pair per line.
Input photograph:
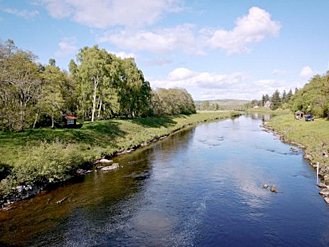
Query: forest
[98,86]
[313,98]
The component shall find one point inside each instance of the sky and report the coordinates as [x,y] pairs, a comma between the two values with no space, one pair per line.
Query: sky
[215,49]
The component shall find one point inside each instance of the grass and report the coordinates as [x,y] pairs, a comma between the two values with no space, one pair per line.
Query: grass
[263,110]
[313,135]
[50,155]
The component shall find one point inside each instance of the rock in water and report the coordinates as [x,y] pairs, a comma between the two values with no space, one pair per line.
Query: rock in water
[273,188]
[324,192]
[322,185]
[110,168]
[105,161]
[265,186]
[326,199]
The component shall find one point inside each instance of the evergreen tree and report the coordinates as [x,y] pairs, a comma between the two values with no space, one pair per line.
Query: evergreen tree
[276,100]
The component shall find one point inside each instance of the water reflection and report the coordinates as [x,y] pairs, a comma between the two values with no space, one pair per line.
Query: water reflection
[200,187]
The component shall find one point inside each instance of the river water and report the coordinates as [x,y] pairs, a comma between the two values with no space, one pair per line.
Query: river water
[201,187]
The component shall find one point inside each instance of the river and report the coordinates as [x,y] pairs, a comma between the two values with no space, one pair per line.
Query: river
[202,186]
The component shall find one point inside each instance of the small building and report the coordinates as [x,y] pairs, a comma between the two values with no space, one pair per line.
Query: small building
[268,104]
[70,121]
[299,115]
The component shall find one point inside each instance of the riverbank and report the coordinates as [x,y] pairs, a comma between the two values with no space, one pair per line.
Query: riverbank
[35,159]
[312,136]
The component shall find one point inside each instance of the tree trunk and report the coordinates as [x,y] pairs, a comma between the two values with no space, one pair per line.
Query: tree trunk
[94,102]
[99,108]
[36,119]
[52,121]
[22,113]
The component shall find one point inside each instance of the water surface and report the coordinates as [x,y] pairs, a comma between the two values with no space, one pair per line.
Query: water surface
[200,187]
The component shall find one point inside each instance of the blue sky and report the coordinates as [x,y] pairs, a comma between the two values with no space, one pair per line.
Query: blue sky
[220,49]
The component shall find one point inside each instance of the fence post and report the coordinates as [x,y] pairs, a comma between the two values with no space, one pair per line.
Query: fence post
[317,172]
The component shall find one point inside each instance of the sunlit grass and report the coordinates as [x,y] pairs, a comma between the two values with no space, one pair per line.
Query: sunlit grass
[314,135]
[53,154]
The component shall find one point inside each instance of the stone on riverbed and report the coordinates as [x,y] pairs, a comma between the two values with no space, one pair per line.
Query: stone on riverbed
[104,161]
[322,185]
[110,168]
[326,199]
[324,192]
[273,188]
[265,186]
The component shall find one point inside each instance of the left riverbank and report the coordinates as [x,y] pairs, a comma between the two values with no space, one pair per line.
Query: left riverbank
[35,159]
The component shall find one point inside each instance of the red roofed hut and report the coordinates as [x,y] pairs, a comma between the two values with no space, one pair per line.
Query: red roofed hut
[71,121]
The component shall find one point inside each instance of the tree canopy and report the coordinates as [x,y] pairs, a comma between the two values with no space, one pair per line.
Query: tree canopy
[99,85]
[313,98]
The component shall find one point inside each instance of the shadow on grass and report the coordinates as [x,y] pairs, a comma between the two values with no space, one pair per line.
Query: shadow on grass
[100,132]
[4,170]
[154,122]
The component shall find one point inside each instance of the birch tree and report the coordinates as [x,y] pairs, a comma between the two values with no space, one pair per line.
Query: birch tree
[94,71]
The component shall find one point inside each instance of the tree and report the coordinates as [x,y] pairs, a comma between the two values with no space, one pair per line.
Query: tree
[172,102]
[54,92]
[276,100]
[93,72]
[313,97]
[133,91]
[20,85]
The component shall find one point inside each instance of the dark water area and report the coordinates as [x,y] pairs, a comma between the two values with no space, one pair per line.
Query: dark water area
[201,187]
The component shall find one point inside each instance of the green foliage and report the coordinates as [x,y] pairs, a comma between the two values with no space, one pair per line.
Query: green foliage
[276,100]
[314,135]
[20,86]
[167,102]
[27,159]
[313,97]
[47,162]
[100,86]
[218,105]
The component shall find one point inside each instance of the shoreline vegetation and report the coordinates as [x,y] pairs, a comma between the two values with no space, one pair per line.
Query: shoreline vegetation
[39,158]
[311,136]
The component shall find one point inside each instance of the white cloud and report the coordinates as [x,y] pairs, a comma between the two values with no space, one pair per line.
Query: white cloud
[206,85]
[279,72]
[108,13]
[212,85]
[160,41]
[306,71]
[123,54]
[181,74]
[253,28]
[26,14]
[66,47]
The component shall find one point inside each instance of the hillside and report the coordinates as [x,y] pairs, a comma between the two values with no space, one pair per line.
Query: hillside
[221,104]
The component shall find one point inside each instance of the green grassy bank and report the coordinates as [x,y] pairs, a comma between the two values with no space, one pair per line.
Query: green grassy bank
[314,136]
[46,155]
[263,110]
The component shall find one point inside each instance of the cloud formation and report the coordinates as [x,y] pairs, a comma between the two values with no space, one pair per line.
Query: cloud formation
[109,13]
[207,86]
[160,41]
[253,28]
[306,71]
[26,14]
[67,46]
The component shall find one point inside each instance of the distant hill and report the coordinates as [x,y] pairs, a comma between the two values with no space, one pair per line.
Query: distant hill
[220,104]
